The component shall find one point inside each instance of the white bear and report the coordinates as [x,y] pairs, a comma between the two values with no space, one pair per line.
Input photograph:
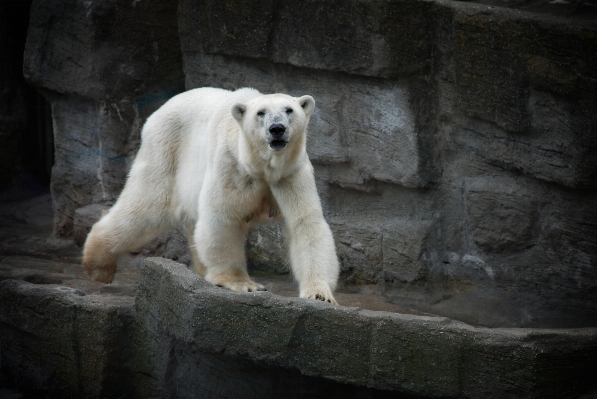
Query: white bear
[216,161]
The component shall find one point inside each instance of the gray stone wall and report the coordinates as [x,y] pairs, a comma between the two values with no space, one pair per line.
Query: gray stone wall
[105,66]
[455,145]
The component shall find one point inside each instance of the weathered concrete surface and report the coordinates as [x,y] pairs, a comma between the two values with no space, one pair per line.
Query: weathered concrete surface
[55,339]
[181,317]
[363,38]
[61,335]
[105,66]
[192,340]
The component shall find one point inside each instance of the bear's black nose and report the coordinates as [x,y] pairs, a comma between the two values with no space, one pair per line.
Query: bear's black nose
[277,129]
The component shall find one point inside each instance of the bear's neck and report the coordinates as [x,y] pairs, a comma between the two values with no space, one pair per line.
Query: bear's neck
[270,165]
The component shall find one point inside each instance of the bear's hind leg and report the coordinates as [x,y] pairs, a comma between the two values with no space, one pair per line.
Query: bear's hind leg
[113,235]
[98,259]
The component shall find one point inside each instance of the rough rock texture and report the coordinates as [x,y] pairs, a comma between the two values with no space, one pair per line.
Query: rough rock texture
[50,335]
[182,319]
[61,335]
[454,144]
[105,66]
[84,219]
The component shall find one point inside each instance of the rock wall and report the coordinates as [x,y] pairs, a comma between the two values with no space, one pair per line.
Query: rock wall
[105,66]
[455,145]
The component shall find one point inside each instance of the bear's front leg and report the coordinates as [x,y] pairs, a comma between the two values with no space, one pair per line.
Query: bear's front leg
[313,258]
[312,251]
[221,248]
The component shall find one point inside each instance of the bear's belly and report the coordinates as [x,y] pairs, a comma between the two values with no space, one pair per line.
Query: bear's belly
[267,210]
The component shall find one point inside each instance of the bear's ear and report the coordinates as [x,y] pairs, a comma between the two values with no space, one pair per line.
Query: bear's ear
[307,104]
[238,111]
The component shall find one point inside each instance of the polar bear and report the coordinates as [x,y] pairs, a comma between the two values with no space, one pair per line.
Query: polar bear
[216,161]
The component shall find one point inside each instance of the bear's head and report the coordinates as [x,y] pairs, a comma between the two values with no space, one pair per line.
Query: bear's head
[274,120]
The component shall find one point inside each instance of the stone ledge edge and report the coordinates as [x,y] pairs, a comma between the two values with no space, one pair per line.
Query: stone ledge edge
[430,356]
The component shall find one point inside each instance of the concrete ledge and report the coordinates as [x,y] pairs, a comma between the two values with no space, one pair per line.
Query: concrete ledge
[425,356]
[187,338]
[56,341]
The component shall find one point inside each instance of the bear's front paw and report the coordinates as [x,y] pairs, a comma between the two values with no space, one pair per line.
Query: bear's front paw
[324,295]
[242,286]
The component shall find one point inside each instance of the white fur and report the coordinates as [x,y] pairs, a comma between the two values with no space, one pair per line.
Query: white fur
[206,162]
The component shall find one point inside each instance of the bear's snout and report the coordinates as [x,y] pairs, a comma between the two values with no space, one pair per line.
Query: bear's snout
[277,129]
[278,137]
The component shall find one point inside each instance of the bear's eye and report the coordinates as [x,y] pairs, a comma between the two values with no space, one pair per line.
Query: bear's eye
[289,111]
[260,113]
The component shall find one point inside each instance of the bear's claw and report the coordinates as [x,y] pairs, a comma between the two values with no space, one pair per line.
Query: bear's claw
[321,298]
[329,298]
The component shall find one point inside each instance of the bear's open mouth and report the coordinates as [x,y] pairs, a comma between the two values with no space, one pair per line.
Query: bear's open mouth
[278,144]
